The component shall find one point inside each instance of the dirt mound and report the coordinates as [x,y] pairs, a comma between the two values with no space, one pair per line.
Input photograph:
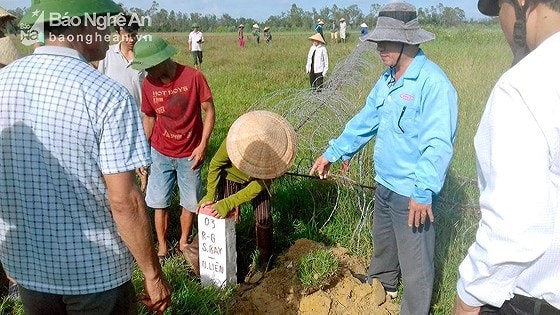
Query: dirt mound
[280,291]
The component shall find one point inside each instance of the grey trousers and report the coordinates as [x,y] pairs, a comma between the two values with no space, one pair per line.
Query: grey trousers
[402,250]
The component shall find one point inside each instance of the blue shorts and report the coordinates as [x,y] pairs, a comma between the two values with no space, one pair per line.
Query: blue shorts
[165,172]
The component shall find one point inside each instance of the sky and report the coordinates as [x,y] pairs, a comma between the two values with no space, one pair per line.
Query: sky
[261,10]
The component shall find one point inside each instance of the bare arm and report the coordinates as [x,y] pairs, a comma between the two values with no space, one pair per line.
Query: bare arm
[130,215]
[209,120]
[148,123]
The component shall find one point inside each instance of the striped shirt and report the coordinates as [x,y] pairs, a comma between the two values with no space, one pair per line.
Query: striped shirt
[63,125]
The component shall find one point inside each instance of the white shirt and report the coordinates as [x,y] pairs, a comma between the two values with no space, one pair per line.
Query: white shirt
[517,247]
[196,39]
[321,59]
[343,29]
[117,67]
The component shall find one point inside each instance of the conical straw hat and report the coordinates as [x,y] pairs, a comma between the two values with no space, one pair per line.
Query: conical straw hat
[262,144]
[5,16]
[8,51]
[317,37]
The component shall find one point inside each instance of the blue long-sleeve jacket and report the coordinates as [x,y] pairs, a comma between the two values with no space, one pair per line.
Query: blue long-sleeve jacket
[415,122]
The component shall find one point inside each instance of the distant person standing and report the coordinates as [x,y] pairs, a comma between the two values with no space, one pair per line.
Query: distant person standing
[363,29]
[240,35]
[267,35]
[334,32]
[342,30]
[317,62]
[195,45]
[319,28]
[257,33]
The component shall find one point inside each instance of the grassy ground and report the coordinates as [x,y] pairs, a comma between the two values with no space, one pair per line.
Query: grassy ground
[472,57]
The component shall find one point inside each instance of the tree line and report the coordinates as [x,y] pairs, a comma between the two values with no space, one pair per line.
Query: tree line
[294,19]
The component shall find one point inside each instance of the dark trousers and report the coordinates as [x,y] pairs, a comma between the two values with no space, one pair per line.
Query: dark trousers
[522,305]
[117,301]
[316,81]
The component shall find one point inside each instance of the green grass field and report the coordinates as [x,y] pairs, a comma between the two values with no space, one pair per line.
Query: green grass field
[473,58]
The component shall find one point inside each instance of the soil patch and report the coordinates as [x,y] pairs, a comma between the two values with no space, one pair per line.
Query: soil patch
[280,291]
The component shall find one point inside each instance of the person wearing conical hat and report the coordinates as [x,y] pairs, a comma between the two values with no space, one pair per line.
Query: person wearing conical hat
[257,33]
[260,146]
[317,62]
[319,28]
[267,35]
[512,267]
[195,45]
[342,30]
[8,51]
[412,111]
[240,35]
[72,233]
[179,117]
[363,29]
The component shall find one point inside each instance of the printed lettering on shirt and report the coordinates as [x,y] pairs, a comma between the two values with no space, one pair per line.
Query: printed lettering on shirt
[160,110]
[175,136]
[182,89]
[407,97]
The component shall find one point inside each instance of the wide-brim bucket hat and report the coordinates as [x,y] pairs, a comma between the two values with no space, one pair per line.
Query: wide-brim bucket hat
[317,37]
[5,16]
[255,25]
[341,20]
[241,25]
[266,28]
[489,7]
[55,10]
[398,22]
[150,51]
[195,25]
[262,144]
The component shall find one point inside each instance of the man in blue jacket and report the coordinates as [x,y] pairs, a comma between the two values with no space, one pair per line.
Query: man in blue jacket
[412,110]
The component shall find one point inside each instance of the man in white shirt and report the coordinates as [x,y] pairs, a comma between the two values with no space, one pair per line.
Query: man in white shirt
[342,30]
[117,61]
[195,45]
[513,266]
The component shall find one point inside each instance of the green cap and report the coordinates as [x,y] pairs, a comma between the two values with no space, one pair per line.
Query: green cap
[55,10]
[151,50]
[194,25]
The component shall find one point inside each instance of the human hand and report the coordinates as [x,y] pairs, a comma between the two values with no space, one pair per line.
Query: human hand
[417,213]
[157,294]
[461,308]
[142,172]
[197,156]
[208,209]
[321,166]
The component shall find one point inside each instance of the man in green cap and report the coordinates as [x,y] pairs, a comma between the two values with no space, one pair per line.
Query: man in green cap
[173,98]
[195,45]
[72,216]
